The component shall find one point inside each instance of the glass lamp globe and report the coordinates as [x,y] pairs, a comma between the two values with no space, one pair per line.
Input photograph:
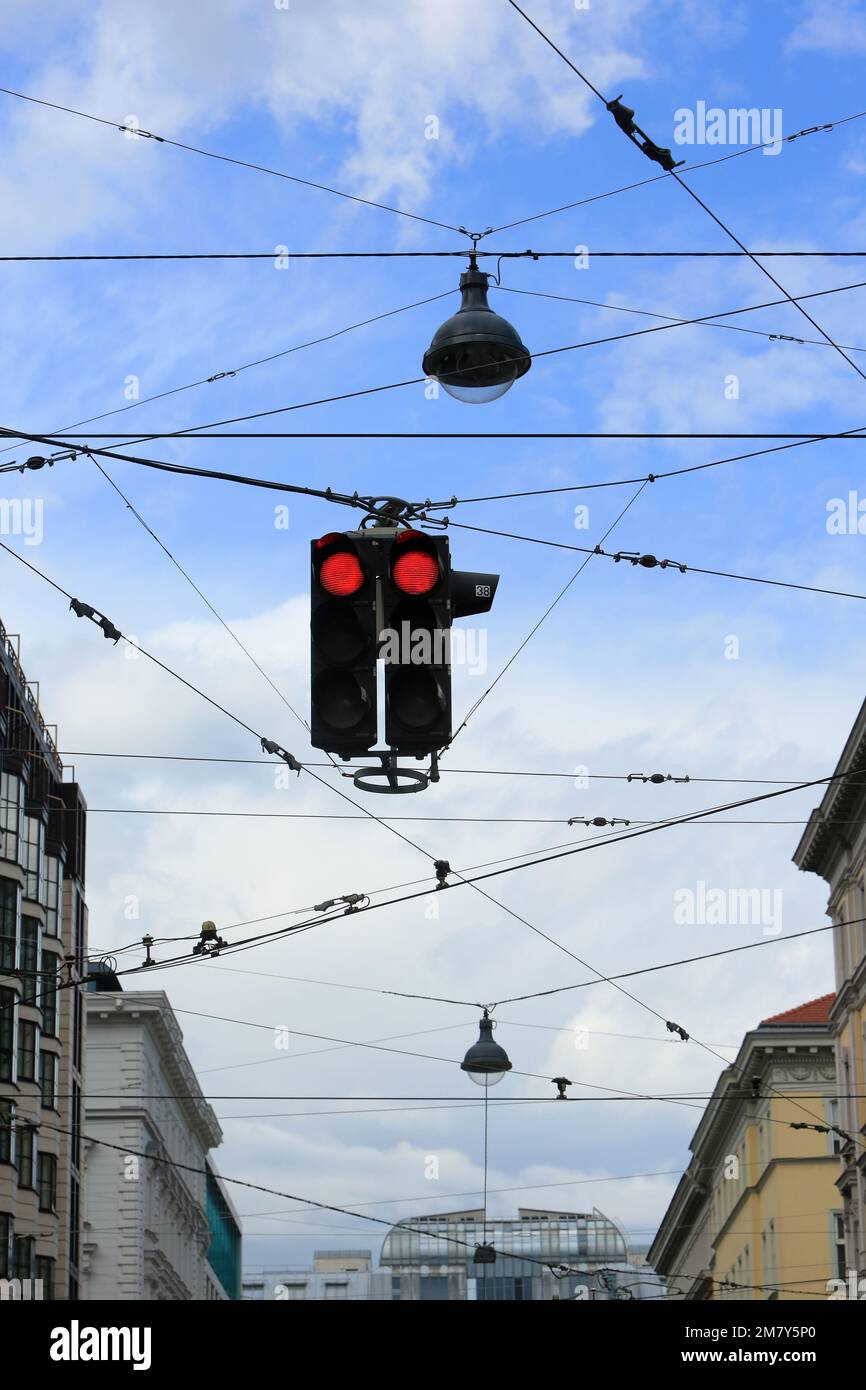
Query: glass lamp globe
[486,1062]
[476,354]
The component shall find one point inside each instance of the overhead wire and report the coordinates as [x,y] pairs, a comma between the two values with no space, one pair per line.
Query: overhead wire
[179,567]
[672,173]
[375,390]
[453,771]
[224,158]
[687,169]
[706,320]
[622,254]
[546,614]
[471,882]
[244,367]
[638,561]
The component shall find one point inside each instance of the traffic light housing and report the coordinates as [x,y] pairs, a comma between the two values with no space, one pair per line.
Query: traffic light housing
[343,642]
[386,594]
[415,642]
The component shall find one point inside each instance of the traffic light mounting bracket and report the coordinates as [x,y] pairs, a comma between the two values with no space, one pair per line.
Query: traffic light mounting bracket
[390,779]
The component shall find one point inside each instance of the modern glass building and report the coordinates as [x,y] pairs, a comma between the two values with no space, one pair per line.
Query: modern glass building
[434,1257]
[224,1252]
[43,945]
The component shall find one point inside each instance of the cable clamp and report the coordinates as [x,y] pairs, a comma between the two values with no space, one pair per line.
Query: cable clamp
[624,117]
[353,901]
[145,134]
[85,610]
[809,130]
[269,746]
[442,869]
[656,777]
[598,820]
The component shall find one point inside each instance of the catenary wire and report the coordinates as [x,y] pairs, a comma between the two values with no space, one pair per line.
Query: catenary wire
[622,254]
[244,367]
[453,771]
[670,564]
[688,169]
[179,567]
[473,882]
[706,320]
[548,610]
[224,158]
[752,255]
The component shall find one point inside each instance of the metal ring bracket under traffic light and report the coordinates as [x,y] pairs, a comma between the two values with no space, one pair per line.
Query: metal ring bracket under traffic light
[386,780]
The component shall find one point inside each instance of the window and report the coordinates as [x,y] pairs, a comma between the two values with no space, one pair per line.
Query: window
[839,1245]
[395,1286]
[29,958]
[76,1124]
[7,1120]
[45,1272]
[22,1257]
[8,999]
[28,1047]
[33,854]
[74,1233]
[5,1245]
[832,1110]
[11,814]
[47,1182]
[77,1028]
[503,1288]
[53,894]
[26,1154]
[48,1079]
[434,1286]
[8,925]
[337,1290]
[48,994]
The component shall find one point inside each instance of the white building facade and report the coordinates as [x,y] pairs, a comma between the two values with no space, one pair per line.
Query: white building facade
[147,1234]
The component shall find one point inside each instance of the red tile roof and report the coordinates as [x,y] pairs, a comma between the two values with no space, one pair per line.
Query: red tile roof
[815,1011]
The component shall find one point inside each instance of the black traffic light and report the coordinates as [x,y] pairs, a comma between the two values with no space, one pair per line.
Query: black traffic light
[422,596]
[343,636]
[391,595]
[415,642]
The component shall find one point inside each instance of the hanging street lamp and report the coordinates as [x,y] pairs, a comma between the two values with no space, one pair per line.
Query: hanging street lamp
[476,354]
[486,1062]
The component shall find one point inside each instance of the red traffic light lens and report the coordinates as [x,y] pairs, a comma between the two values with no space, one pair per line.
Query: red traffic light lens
[415,572]
[341,574]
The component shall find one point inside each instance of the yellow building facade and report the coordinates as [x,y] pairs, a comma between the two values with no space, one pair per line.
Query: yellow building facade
[757,1214]
[834,846]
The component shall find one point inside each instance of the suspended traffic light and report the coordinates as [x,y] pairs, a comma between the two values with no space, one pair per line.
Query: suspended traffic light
[343,646]
[386,594]
[476,354]
[422,596]
[415,643]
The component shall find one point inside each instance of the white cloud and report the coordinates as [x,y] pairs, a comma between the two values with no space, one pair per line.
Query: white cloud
[835,28]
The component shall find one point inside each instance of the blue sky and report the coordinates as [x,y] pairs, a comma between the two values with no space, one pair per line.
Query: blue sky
[628,673]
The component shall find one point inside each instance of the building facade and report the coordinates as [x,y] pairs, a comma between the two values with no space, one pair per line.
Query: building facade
[223,1261]
[433,1258]
[43,943]
[344,1275]
[149,1232]
[833,845]
[757,1214]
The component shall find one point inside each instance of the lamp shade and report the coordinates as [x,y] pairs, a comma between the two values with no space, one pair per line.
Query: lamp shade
[486,1062]
[476,354]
